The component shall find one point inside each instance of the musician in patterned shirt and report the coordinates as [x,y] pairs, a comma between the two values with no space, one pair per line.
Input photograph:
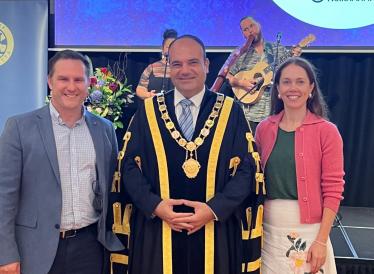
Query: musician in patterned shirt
[259,51]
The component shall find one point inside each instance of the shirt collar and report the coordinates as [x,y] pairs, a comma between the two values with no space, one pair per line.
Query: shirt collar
[55,115]
[196,99]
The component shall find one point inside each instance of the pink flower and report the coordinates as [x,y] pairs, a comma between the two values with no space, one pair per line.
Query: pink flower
[293,235]
[113,86]
[104,70]
[297,262]
[93,80]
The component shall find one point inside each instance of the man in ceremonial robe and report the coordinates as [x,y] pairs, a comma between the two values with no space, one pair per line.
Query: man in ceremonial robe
[187,171]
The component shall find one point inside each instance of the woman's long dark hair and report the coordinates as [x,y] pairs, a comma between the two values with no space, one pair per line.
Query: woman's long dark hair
[316,104]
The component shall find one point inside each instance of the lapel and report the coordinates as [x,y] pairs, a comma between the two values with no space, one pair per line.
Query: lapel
[98,140]
[48,138]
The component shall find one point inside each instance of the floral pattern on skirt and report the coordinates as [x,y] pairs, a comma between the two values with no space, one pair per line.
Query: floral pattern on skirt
[297,255]
[287,241]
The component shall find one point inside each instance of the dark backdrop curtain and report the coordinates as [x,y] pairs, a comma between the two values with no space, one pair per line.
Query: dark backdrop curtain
[347,83]
[346,80]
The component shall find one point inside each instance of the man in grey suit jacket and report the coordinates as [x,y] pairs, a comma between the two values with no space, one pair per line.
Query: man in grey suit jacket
[56,166]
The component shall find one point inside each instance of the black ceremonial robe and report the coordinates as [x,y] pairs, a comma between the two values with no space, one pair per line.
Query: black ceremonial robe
[140,176]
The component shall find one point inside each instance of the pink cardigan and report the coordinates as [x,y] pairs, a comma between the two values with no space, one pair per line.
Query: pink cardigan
[318,159]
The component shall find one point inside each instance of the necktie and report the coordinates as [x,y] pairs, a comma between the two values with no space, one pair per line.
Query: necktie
[185,119]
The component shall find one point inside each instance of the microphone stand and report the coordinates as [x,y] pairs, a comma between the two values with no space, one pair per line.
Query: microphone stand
[164,77]
[275,63]
[243,106]
[345,235]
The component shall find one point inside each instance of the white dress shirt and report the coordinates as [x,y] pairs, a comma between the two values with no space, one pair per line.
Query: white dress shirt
[195,106]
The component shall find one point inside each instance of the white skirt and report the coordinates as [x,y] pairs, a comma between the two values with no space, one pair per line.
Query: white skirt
[287,241]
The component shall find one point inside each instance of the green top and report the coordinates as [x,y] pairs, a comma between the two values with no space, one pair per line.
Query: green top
[280,170]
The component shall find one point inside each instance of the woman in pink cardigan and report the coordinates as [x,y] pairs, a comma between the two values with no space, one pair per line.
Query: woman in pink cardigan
[302,155]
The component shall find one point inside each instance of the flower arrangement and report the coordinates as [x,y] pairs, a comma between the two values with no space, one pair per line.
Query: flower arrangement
[108,94]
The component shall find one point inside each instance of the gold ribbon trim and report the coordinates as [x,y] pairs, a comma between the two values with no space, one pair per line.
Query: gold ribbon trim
[251,266]
[118,259]
[116,183]
[210,188]
[234,163]
[164,182]
[245,233]
[257,231]
[211,180]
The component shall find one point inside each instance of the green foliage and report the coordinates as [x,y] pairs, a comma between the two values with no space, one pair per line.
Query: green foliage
[108,96]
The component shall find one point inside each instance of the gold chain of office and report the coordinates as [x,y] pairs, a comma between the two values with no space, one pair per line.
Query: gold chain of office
[191,165]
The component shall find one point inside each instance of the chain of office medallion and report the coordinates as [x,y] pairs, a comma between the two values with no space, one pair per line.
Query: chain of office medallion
[204,132]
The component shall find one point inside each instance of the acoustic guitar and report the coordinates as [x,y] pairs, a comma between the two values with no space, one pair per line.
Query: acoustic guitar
[262,73]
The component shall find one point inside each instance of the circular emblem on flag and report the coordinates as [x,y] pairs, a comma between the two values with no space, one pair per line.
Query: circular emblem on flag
[6,43]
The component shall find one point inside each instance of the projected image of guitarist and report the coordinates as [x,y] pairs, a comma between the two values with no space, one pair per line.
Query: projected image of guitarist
[251,75]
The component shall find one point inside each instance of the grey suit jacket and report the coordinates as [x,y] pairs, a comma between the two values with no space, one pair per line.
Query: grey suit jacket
[30,192]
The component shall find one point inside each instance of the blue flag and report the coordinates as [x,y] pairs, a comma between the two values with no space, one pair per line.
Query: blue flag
[23,56]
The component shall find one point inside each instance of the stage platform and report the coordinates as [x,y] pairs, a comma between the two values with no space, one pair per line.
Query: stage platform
[353,240]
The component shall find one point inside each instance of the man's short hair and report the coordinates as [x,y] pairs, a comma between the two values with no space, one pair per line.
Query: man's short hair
[193,37]
[249,18]
[67,55]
